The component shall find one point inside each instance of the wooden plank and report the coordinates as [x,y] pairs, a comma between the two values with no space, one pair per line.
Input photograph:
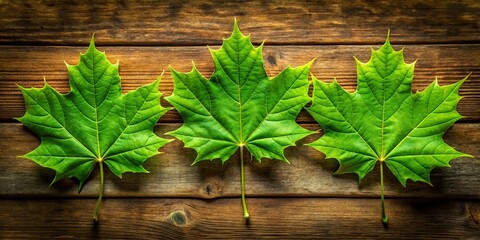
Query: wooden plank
[309,174]
[140,65]
[205,22]
[284,218]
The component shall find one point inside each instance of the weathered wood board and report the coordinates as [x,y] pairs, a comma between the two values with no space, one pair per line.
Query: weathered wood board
[299,200]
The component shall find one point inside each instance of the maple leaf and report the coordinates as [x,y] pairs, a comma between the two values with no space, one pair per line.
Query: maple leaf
[240,107]
[382,121]
[94,123]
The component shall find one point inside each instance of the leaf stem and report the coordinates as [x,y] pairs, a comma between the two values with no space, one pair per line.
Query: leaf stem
[384,216]
[100,195]
[242,173]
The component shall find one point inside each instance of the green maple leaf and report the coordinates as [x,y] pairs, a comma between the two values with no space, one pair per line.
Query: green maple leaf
[94,123]
[382,121]
[240,107]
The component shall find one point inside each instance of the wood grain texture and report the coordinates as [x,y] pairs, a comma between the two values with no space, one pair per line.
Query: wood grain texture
[141,65]
[201,22]
[279,218]
[177,201]
[309,174]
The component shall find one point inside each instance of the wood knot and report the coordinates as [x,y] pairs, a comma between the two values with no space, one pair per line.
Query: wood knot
[211,188]
[178,218]
[271,60]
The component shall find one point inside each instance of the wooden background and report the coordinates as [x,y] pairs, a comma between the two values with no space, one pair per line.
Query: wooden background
[176,200]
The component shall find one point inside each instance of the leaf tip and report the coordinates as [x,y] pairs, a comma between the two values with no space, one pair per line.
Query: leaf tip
[20,87]
[429,183]
[193,65]
[335,81]
[464,79]
[92,41]
[235,24]
[161,75]
[236,30]
[66,64]
[466,155]
[56,179]
[197,160]
[309,64]
[261,45]
[357,61]
[414,61]
[45,84]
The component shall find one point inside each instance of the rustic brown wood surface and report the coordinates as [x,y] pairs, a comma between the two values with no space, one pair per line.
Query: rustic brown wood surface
[142,65]
[171,175]
[201,22]
[302,199]
[279,218]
